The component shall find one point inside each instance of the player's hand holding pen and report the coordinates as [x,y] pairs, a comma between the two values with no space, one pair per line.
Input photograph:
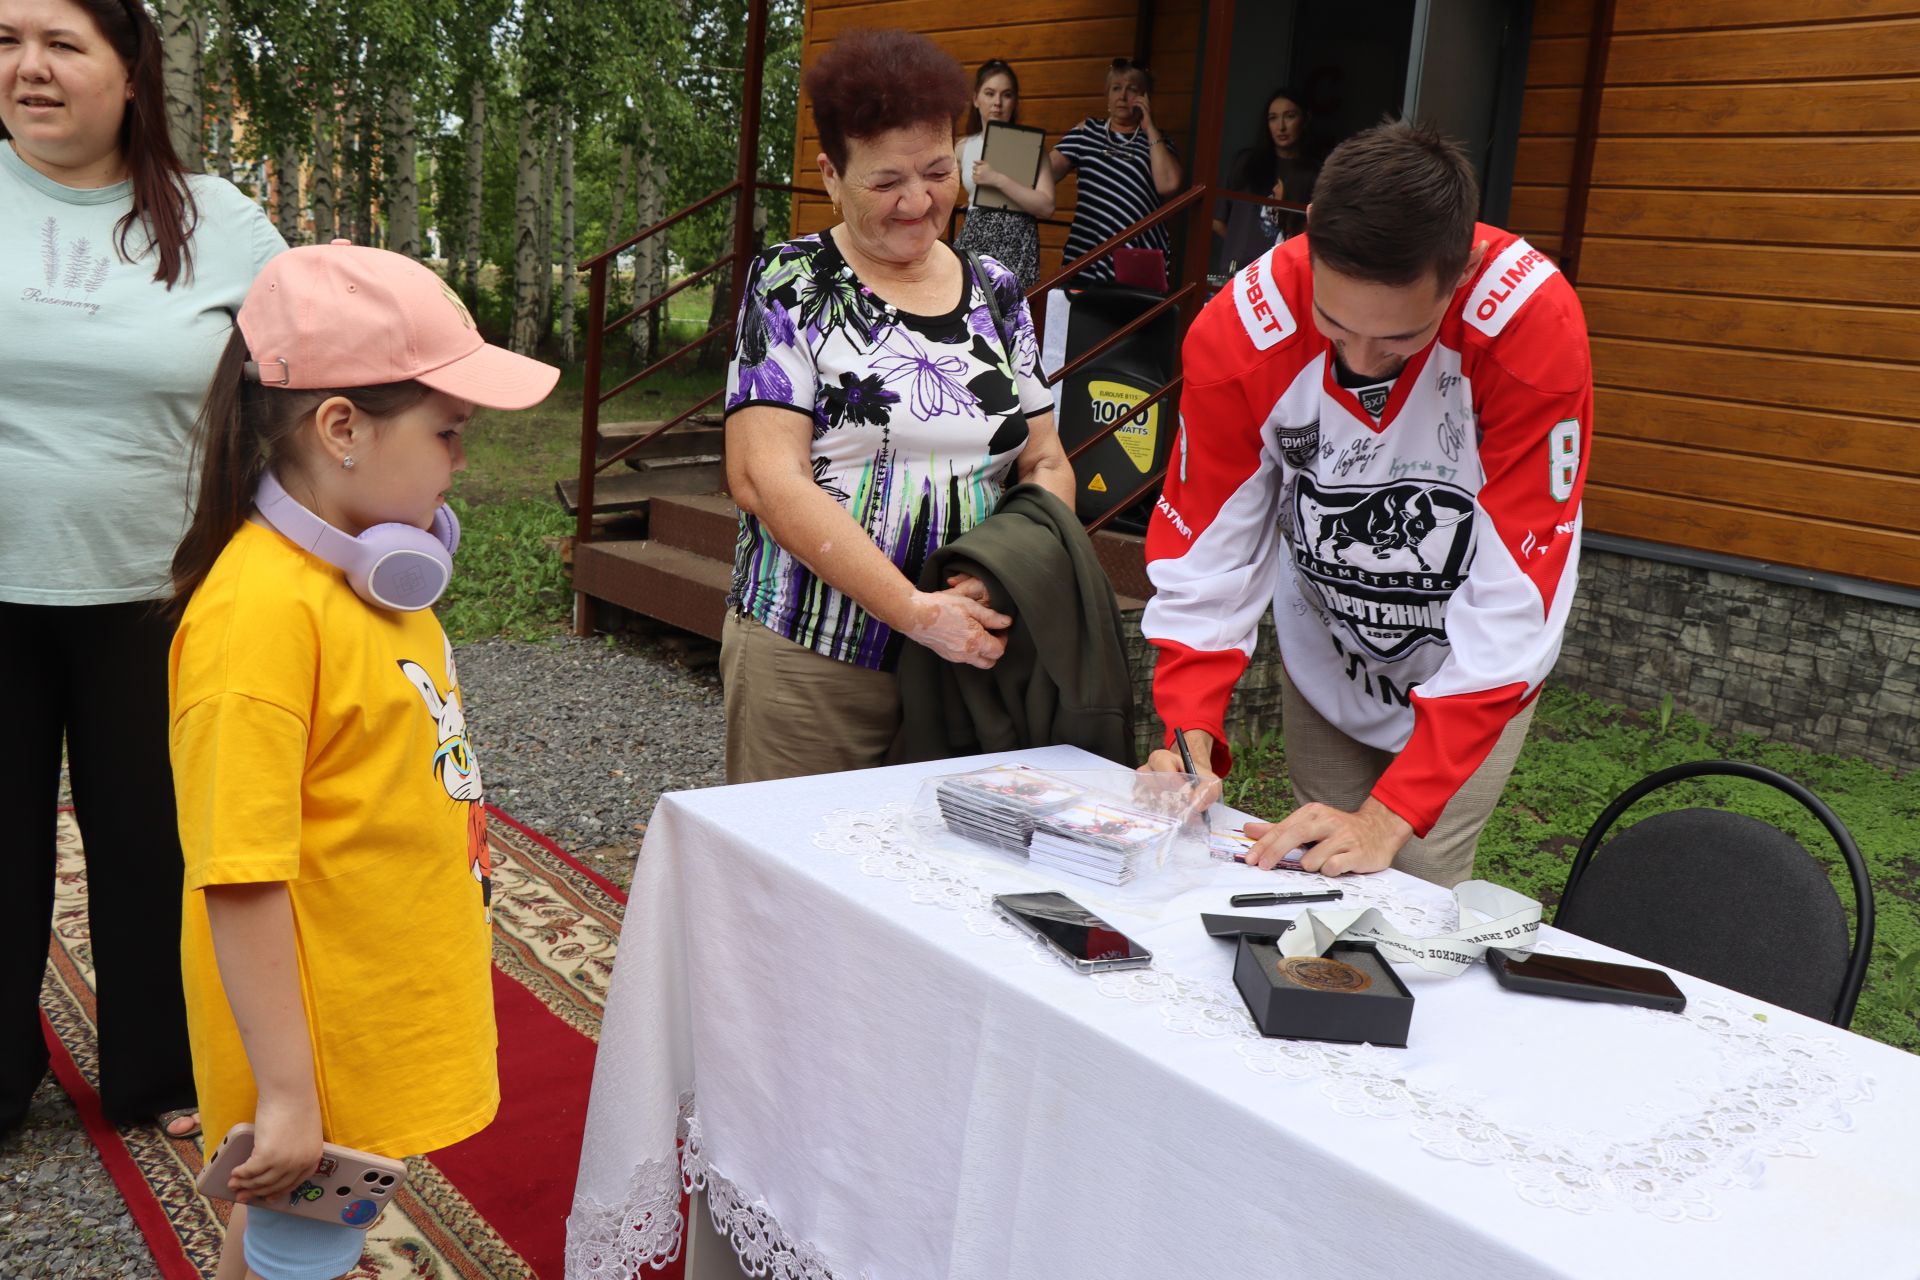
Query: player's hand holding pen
[1192,754]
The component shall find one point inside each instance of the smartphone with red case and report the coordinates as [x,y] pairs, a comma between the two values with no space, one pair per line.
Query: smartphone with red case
[349,1187]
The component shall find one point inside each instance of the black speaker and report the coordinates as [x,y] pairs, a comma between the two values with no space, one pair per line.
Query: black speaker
[1095,396]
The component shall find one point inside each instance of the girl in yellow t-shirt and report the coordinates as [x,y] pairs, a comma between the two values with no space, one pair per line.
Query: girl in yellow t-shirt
[335,947]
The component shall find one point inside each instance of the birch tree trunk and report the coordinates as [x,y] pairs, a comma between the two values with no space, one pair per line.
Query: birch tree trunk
[365,134]
[321,188]
[525,336]
[550,155]
[351,225]
[286,193]
[715,354]
[180,71]
[650,255]
[476,179]
[569,284]
[622,179]
[402,186]
[225,91]
[616,219]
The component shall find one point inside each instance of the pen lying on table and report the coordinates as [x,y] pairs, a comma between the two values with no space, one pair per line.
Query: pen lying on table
[1281,899]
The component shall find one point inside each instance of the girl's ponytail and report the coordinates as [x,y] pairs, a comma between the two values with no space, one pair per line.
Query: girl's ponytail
[229,457]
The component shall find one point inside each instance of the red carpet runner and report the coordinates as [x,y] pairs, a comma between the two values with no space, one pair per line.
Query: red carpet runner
[492,1208]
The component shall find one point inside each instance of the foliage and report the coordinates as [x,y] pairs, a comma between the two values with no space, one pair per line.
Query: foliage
[511,581]
[1583,752]
[661,76]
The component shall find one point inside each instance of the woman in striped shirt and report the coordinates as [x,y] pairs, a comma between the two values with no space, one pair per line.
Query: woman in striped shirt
[1126,167]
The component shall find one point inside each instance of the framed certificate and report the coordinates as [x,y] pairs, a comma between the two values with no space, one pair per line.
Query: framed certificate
[1015,150]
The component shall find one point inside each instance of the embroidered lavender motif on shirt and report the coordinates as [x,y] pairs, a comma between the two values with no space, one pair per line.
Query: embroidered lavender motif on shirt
[83,272]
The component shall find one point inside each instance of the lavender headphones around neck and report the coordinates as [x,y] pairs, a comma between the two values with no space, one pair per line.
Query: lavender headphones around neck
[394,566]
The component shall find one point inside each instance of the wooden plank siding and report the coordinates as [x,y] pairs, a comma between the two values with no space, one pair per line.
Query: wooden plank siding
[1059,48]
[1750,271]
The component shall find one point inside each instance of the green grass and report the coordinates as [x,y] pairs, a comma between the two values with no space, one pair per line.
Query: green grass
[1583,752]
[511,581]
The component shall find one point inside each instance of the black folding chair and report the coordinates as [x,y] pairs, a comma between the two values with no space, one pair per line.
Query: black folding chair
[1726,897]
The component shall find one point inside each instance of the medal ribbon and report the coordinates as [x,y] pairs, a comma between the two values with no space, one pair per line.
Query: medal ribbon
[1502,918]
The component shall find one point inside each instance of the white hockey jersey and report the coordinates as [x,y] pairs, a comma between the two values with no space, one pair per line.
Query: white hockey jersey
[1420,566]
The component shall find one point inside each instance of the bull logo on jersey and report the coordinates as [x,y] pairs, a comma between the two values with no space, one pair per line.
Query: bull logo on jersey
[1384,561]
[1298,444]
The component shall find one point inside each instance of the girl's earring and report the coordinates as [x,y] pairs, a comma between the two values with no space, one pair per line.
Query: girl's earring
[346,463]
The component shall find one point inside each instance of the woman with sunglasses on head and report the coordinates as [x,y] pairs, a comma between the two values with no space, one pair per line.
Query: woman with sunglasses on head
[1126,167]
[122,274]
[1010,237]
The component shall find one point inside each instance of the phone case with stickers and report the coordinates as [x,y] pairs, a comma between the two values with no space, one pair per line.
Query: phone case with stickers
[349,1187]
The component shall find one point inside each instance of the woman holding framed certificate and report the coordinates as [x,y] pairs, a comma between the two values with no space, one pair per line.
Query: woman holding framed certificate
[1007,186]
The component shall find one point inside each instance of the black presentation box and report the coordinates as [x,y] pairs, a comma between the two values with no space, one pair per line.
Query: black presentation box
[1379,1014]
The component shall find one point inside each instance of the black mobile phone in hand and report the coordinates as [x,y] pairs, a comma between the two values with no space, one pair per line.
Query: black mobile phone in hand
[1078,936]
[1578,979]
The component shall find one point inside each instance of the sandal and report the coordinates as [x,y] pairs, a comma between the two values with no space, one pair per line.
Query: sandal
[167,1119]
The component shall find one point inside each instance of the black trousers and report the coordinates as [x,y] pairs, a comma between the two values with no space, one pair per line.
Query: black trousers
[94,676]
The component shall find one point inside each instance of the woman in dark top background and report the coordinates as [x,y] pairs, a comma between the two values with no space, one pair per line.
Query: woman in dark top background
[1275,166]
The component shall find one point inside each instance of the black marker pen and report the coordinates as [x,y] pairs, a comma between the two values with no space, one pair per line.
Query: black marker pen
[1186,754]
[1282,899]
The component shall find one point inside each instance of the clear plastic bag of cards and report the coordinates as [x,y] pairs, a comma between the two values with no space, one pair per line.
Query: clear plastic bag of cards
[1110,827]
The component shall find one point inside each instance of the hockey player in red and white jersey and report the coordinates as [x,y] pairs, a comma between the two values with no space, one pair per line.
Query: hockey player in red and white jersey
[1384,436]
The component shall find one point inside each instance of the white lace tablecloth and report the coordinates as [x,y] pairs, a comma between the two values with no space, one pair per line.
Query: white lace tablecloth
[828,1027]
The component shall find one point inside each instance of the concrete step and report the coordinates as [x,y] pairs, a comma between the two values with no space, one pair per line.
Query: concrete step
[671,584]
[633,490]
[703,523]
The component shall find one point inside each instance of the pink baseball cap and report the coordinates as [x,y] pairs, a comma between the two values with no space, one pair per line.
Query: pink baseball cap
[344,315]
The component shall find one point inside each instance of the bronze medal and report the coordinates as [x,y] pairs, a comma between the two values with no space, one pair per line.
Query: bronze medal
[1317,973]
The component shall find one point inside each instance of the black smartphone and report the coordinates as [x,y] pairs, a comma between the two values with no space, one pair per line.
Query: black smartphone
[1081,938]
[1579,979]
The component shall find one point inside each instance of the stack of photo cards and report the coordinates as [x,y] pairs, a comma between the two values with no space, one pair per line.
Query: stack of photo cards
[1102,840]
[1000,806]
[1237,846]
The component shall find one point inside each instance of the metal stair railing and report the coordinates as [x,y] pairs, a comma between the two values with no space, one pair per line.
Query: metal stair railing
[598,267]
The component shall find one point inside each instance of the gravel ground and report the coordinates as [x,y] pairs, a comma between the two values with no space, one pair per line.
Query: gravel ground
[576,738]
[60,1214]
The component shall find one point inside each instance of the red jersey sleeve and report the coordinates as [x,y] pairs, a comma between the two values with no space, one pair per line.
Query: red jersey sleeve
[1213,546]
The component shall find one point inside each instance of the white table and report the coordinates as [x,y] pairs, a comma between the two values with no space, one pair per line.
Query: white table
[873,1076]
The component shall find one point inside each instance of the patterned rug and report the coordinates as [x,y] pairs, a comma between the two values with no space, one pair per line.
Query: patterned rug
[491,1208]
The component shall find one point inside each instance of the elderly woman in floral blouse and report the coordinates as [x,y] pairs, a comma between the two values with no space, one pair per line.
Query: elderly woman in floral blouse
[882,395]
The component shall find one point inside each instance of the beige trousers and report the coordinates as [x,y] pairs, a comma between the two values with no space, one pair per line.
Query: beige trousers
[1328,767]
[791,711]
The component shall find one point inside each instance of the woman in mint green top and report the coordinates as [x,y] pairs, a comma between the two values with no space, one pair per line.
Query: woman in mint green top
[119,278]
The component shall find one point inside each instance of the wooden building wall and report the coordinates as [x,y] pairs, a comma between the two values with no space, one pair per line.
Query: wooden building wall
[1059,48]
[1750,272]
